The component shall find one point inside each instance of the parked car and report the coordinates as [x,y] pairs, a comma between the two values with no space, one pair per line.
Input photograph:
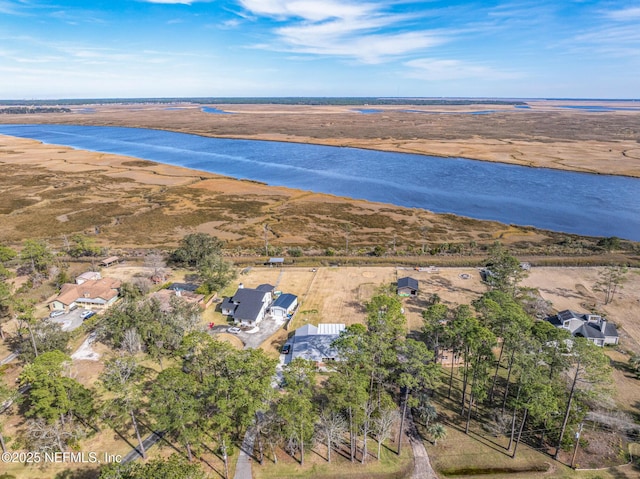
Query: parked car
[233,330]
[286,349]
[55,314]
[87,314]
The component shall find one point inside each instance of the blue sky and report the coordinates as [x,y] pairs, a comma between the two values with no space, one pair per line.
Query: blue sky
[160,48]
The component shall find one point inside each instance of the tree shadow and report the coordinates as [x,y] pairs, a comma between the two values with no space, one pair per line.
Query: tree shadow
[126,440]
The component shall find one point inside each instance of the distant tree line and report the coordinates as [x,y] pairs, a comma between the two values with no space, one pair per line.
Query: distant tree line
[273,101]
[26,110]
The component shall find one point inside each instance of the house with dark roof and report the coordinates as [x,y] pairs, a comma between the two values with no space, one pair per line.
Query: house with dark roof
[407,286]
[283,306]
[593,327]
[315,343]
[247,306]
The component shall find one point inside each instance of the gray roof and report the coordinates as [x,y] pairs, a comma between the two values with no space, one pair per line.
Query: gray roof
[284,301]
[266,287]
[248,295]
[589,328]
[183,287]
[308,343]
[249,303]
[610,329]
[408,282]
[227,304]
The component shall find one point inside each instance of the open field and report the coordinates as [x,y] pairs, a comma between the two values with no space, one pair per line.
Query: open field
[542,136]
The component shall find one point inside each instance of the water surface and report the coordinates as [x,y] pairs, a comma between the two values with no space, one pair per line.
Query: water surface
[586,204]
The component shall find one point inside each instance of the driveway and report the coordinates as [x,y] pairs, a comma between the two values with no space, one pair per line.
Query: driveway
[69,321]
[253,338]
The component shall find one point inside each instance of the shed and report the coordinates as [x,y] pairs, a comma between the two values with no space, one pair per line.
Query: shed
[284,305]
[275,261]
[407,286]
[109,261]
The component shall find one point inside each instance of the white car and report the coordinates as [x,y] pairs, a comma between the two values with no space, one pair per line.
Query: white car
[233,330]
[55,314]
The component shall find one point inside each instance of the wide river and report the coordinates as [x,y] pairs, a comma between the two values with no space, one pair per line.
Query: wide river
[581,203]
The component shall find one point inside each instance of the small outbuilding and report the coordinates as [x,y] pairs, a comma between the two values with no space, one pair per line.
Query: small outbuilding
[111,260]
[275,261]
[407,286]
[284,306]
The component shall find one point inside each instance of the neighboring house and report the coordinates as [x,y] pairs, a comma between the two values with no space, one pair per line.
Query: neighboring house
[247,306]
[407,286]
[88,276]
[314,343]
[284,305]
[591,326]
[91,294]
[189,287]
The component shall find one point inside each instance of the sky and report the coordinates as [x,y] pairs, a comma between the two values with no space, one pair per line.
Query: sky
[323,48]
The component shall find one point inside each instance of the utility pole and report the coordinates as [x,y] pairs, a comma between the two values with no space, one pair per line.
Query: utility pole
[266,239]
[575,449]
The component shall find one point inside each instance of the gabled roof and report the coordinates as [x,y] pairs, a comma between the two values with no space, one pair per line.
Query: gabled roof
[583,324]
[408,282]
[248,295]
[227,304]
[250,302]
[247,311]
[590,331]
[284,301]
[266,287]
[610,330]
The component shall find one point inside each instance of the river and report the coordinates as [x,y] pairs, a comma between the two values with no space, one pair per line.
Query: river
[581,203]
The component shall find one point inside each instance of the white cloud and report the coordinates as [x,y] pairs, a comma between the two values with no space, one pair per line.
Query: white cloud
[439,70]
[624,15]
[366,31]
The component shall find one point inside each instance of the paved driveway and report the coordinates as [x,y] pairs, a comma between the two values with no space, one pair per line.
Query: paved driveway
[70,320]
[253,338]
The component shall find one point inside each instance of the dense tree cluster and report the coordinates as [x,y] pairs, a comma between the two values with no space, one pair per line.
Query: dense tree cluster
[203,253]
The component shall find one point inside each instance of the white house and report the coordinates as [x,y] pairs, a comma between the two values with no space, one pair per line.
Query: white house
[247,306]
[591,326]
